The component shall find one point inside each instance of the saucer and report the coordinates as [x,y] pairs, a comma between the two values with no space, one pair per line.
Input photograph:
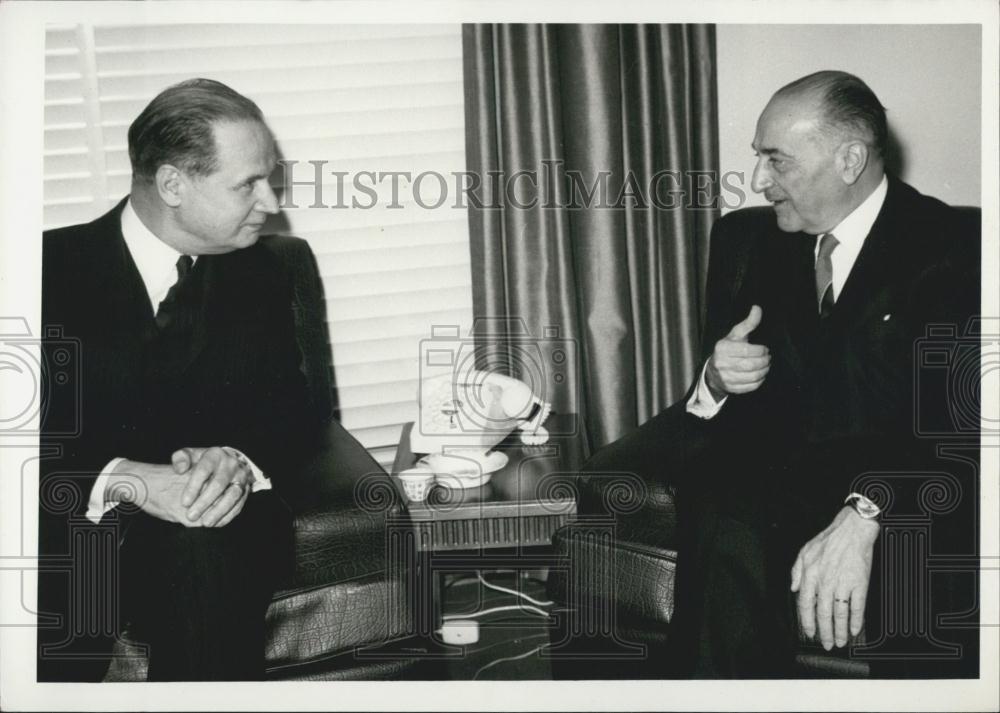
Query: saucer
[464,468]
[461,482]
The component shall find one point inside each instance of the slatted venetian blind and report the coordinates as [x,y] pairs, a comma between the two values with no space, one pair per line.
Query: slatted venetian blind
[356,97]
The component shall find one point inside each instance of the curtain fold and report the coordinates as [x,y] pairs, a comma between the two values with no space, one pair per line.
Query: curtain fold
[596,151]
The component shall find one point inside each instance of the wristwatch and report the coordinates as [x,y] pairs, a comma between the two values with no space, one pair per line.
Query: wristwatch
[863,506]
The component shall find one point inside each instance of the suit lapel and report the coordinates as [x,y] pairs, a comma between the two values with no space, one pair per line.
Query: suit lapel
[872,266]
[201,300]
[794,324]
[124,308]
[222,301]
[111,283]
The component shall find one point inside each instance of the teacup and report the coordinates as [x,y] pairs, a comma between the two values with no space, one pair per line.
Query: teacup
[416,482]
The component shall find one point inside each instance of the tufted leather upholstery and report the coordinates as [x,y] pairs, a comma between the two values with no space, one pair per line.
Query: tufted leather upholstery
[345,612]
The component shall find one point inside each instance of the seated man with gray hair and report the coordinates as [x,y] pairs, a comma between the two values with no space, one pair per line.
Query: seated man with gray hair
[808,396]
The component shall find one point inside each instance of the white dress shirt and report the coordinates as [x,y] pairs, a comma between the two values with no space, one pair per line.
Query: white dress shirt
[851,233]
[157,265]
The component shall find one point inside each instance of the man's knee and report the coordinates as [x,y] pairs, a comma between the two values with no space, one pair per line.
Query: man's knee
[659,449]
[255,545]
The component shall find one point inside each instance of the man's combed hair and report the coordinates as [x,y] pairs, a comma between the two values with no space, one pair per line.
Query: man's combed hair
[848,104]
[176,127]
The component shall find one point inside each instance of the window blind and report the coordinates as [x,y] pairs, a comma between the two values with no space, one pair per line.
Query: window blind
[358,98]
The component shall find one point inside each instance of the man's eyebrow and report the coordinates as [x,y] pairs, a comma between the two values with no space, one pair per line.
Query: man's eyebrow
[255,177]
[770,151]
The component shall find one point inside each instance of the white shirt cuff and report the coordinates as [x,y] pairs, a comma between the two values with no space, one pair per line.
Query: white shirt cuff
[97,507]
[260,481]
[702,404]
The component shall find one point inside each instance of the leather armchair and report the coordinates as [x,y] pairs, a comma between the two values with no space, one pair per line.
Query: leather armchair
[346,609]
[614,588]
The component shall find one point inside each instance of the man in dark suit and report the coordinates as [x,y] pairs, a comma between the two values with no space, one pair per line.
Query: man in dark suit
[190,403]
[814,314]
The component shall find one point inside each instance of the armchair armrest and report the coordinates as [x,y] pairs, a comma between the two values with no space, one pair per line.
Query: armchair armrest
[634,480]
[627,518]
[344,506]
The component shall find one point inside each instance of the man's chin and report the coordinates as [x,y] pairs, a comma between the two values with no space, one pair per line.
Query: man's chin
[250,236]
[787,221]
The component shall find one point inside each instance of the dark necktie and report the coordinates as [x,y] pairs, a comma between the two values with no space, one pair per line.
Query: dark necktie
[167,311]
[824,274]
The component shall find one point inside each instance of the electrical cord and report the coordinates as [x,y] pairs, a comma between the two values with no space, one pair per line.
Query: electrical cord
[522,595]
[477,650]
[535,608]
[525,655]
[511,607]
[461,582]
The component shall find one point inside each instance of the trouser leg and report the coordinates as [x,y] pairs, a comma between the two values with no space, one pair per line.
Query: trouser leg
[733,588]
[198,596]
[78,604]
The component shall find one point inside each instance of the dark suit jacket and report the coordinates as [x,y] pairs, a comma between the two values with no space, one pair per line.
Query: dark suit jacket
[230,377]
[842,393]
[236,383]
[842,399]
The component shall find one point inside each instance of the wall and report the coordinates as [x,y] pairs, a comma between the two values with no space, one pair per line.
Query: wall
[927,77]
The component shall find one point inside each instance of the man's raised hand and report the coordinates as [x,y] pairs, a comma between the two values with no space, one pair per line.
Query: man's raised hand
[736,366]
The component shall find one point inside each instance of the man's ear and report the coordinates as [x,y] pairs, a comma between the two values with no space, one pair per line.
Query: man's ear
[852,158]
[170,184]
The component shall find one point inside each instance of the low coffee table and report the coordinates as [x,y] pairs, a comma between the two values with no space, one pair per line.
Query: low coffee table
[505,524]
[522,505]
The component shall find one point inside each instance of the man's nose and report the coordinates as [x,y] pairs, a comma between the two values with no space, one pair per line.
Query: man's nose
[267,202]
[761,180]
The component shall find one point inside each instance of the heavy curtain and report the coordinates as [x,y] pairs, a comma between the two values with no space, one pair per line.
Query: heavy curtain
[593,154]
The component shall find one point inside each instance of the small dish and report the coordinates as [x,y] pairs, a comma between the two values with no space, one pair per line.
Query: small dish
[464,468]
[467,462]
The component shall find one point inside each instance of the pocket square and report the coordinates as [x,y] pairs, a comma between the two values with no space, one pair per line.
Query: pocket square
[886,317]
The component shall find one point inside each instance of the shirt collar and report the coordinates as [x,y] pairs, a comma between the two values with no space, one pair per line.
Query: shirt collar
[852,230]
[155,260]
